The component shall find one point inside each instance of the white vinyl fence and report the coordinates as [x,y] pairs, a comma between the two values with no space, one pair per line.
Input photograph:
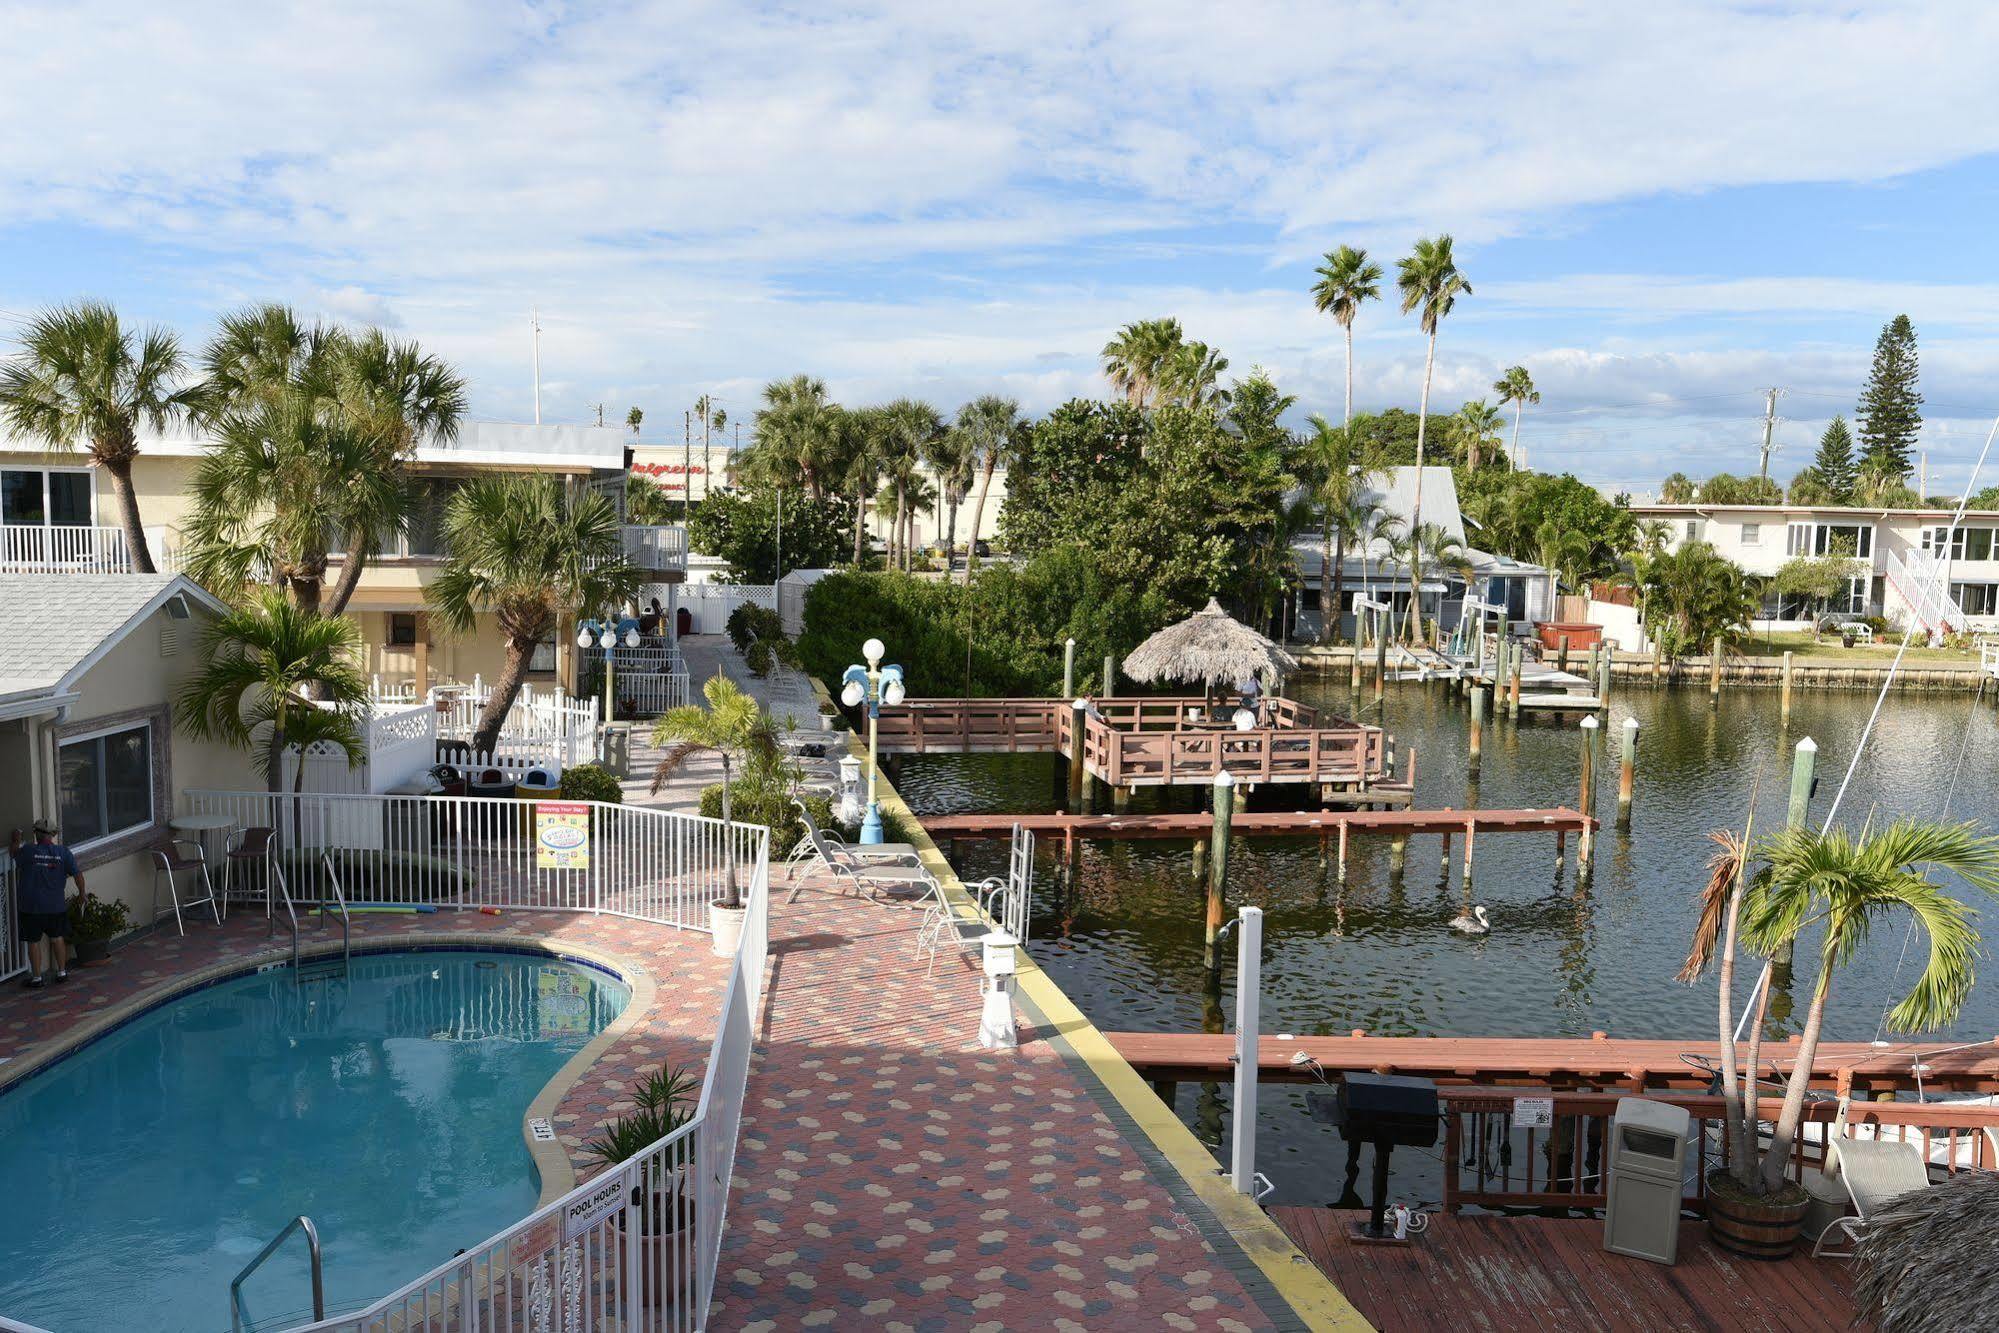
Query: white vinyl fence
[635,1248]
[711,603]
[400,738]
[543,727]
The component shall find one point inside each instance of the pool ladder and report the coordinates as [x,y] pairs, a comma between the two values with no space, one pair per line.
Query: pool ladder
[324,966]
[299,1223]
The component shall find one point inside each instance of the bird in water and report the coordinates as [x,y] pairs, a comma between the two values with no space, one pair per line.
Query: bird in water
[1472,921]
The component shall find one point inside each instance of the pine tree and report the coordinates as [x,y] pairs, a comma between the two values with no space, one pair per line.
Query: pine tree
[1890,411]
[1835,464]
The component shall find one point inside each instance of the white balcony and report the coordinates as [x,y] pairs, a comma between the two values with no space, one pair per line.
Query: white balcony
[100,549]
[658,550]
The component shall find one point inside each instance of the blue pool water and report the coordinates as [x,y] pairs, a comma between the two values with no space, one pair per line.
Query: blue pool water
[144,1171]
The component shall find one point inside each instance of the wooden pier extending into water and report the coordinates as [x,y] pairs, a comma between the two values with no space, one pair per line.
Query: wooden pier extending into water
[1271,823]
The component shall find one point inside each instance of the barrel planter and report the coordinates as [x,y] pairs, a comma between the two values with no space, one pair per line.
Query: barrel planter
[1755,1228]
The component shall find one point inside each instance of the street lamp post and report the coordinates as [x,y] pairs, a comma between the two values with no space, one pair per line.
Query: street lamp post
[604,634]
[873,684]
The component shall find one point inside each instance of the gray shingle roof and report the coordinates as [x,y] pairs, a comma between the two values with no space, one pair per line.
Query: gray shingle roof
[50,623]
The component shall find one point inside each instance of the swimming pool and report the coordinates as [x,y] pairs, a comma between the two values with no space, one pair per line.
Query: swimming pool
[145,1170]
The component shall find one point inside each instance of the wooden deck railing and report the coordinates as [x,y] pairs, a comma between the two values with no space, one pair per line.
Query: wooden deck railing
[1564,1166]
[1147,741]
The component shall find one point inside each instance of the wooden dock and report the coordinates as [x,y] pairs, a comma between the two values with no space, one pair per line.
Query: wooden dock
[1271,823]
[1504,1273]
[1561,1062]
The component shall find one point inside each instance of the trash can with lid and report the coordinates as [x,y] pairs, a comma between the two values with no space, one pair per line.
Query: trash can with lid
[1648,1158]
[539,783]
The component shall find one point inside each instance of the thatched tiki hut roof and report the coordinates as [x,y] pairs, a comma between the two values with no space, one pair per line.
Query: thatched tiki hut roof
[1930,1259]
[1209,647]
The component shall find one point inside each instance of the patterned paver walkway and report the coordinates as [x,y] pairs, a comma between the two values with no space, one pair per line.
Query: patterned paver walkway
[894,1175]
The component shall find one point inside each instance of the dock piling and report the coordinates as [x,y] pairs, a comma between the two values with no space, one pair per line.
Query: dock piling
[1068,668]
[1398,856]
[1714,674]
[1562,653]
[1586,849]
[1248,1022]
[1343,852]
[1218,860]
[1078,716]
[1353,672]
[1444,865]
[1476,745]
[1784,696]
[1627,768]
[1471,832]
[1513,685]
[1110,675]
[1603,682]
[1380,660]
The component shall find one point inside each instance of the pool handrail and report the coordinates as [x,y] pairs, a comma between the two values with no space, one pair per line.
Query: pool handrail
[284,896]
[346,921]
[301,1222]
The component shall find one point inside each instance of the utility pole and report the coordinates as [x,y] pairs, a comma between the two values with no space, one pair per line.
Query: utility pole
[534,330]
[707,415]
[600,416]
[1923,474]
[686,461]
[1769,429]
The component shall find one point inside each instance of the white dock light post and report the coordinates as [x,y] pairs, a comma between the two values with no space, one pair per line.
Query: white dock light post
[873,684]
[1248,1020]
[996,1009]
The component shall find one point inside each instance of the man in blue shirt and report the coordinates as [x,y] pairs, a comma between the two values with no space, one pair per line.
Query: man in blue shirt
[40,870]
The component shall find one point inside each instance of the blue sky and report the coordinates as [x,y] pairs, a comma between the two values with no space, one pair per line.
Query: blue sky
[1662,212]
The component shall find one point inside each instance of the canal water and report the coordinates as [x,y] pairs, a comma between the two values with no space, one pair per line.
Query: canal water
[1124,940]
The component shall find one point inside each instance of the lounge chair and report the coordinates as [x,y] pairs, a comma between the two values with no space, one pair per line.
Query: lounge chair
[1873,1172]
[902,880]
[817,842]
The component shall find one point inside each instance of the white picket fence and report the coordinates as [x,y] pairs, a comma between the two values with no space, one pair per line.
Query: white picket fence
[542,728]
[400,739]
[635,1248]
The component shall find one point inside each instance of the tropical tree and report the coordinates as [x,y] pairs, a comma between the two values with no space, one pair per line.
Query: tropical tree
[531,555]
[633,420]
[863,436]
[82,380]
[1476,426]
[1191,376]
[1562,551]
[265,662]
[996,433]
[1850,885]
[1834,462]
[796,436]
[733,727]
[1135,360]
[1890,412]
[1694,595]
[912,426]
[1430,284]
[1338,464]
[1516,386]
[1348,279]
[950,455]
[1676,489]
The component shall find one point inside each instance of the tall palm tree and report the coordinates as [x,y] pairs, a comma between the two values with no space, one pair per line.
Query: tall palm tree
[1430,284]
[531,555]
[1338,463]
[1561,550]
[1191,376]
[1136,357]
[1477,424]
[864,438]
[393,396]
[1852,885]
[265,662]
[950,455]
[83,380]
[912,426]
[633,420]
[795,436]
[733,726]
[998,436]
[1516,386]
[1348,279]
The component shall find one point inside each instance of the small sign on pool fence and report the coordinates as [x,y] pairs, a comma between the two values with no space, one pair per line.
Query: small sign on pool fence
[561,835]
[1533,1112]
[607,1196]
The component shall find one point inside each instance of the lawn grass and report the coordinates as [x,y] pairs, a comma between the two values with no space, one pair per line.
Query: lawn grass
[1881,651]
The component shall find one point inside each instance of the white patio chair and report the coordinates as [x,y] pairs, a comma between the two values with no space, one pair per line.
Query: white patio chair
[943,926]
[1873,1172]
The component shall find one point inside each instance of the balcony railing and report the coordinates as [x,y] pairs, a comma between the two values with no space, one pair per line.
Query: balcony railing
[662,550]
[65,549]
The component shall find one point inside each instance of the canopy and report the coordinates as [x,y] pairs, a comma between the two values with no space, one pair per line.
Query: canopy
[1209,647]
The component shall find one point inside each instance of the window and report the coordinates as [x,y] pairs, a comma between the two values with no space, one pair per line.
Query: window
[1976,599]
[1971,544]
[105,783]
[47,497]
[1934,538]
[402,629]
[1752,534]
[1693,529]
[1855,540]
[543,657]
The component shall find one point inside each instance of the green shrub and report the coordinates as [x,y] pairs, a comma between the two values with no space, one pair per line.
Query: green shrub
[760,657]
[94,918]
[769,804]
[750,623]
[591,782]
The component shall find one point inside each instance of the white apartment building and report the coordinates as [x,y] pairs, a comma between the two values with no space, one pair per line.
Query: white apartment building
[1903,558]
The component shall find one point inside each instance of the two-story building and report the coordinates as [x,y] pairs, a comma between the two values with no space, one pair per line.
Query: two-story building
[57,514]
[1902,558]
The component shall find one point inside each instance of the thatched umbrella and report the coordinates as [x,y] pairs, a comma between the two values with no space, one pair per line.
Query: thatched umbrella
[1929,1261]
[1207,648]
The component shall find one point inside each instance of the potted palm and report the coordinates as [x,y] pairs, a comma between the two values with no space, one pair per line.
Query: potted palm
[93,923]
[664,1194]
[1844,884]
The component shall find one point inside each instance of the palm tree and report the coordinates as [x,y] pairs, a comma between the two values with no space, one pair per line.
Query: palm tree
[265,662]
[950,454]
[1692,596]
[83,380]
[1852,885]
[1430,285]
[997,435]
[1191,376]
[1347,281]
[1477,425]
[1339,463]
[1516,386]
[912,426]
[864,438]
[529,554]
[733,727]
[633,420]
[393,396]
[796,440]
[1136,358]
[1561,550]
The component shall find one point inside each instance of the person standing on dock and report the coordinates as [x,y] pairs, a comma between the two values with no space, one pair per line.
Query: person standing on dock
[40,870]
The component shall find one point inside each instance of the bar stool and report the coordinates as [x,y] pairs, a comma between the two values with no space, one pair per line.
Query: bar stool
[247,847]
[170,857]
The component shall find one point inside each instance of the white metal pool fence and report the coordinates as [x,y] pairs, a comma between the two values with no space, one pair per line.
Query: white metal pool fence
[635,1248]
